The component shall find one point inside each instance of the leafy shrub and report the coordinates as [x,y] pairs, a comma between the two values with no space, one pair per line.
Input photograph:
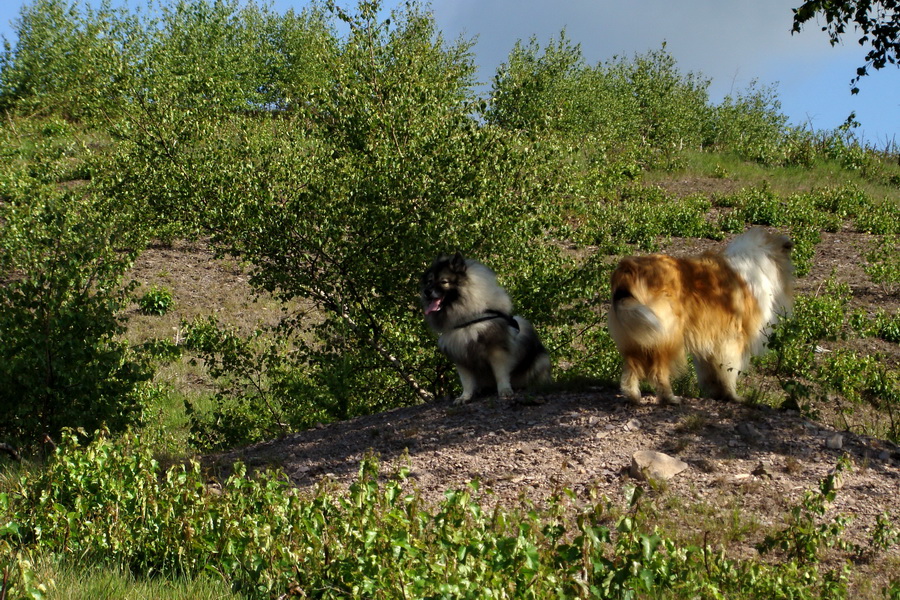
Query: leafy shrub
[156,301]
[642,216]
[110,503]
[69,62]
[643,105]
[843,202]
[761,206]
[807,376]
[863,379]
[880,324]
[250,405]
[883,263]
[731,222]
[62,361]
[673,107]
[552,90]
[805,536]
[814,318]
[750,124]
[687,217]
[805,239]
[879,218]
[327,203]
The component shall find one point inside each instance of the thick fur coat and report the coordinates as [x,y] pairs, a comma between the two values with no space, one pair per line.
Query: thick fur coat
[490,347]
[718,307]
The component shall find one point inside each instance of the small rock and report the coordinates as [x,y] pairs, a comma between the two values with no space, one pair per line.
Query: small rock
[647,464]
[762,470]
[632,425]
[834,441]
[838,478]
[749,432]
[707,465]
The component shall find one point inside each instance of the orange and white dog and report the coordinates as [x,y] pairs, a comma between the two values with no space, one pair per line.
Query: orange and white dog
[719,307]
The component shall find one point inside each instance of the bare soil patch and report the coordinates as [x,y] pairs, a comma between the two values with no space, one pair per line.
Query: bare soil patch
[583,441]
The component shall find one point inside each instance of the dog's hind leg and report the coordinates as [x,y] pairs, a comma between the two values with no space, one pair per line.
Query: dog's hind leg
[631,380]
[541,371]
[469,384]
[667,362]
[662,377]
[502,364]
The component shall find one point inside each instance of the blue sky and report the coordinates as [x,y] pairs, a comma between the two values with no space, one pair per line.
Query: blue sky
[728,41]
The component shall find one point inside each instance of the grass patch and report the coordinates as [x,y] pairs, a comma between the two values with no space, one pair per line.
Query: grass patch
[785,180]
[68,581]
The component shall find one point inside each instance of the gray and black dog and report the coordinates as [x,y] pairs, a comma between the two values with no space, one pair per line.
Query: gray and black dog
[473,315]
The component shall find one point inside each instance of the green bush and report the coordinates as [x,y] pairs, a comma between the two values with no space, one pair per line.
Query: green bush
[642,106]
[70,61]
[806,535]
[793,343]
[809,376]
[258,396]
[344,199]
[883,263]
[62,360]
[110,503]
[751,125]
[156,301]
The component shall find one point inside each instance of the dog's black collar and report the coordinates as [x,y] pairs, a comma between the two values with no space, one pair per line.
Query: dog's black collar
[490,315]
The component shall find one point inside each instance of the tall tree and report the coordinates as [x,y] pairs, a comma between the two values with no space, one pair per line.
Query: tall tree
[878,20]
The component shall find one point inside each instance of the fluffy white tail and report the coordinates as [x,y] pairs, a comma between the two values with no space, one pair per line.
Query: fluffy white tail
[642,324]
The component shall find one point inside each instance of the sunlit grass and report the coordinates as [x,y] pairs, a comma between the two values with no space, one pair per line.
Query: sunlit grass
[782,180]
[71,582]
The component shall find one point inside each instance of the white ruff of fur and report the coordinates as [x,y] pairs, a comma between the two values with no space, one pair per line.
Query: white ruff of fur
[748,256]
[480,294]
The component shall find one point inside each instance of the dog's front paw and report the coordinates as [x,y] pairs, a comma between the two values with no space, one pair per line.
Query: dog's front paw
[505,393]
[464,399]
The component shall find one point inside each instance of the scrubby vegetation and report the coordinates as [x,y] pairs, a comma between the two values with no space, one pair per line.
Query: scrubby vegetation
[331,168]
[111,504]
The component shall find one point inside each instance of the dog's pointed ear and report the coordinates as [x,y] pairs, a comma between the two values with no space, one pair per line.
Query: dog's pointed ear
[458,263]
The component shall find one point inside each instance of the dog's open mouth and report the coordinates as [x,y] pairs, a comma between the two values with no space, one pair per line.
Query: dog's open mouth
[434,306]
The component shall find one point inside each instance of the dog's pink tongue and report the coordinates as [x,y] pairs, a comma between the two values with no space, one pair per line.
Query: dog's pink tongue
[434,306]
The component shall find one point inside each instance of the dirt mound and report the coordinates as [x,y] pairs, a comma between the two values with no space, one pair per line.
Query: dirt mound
[757,458]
